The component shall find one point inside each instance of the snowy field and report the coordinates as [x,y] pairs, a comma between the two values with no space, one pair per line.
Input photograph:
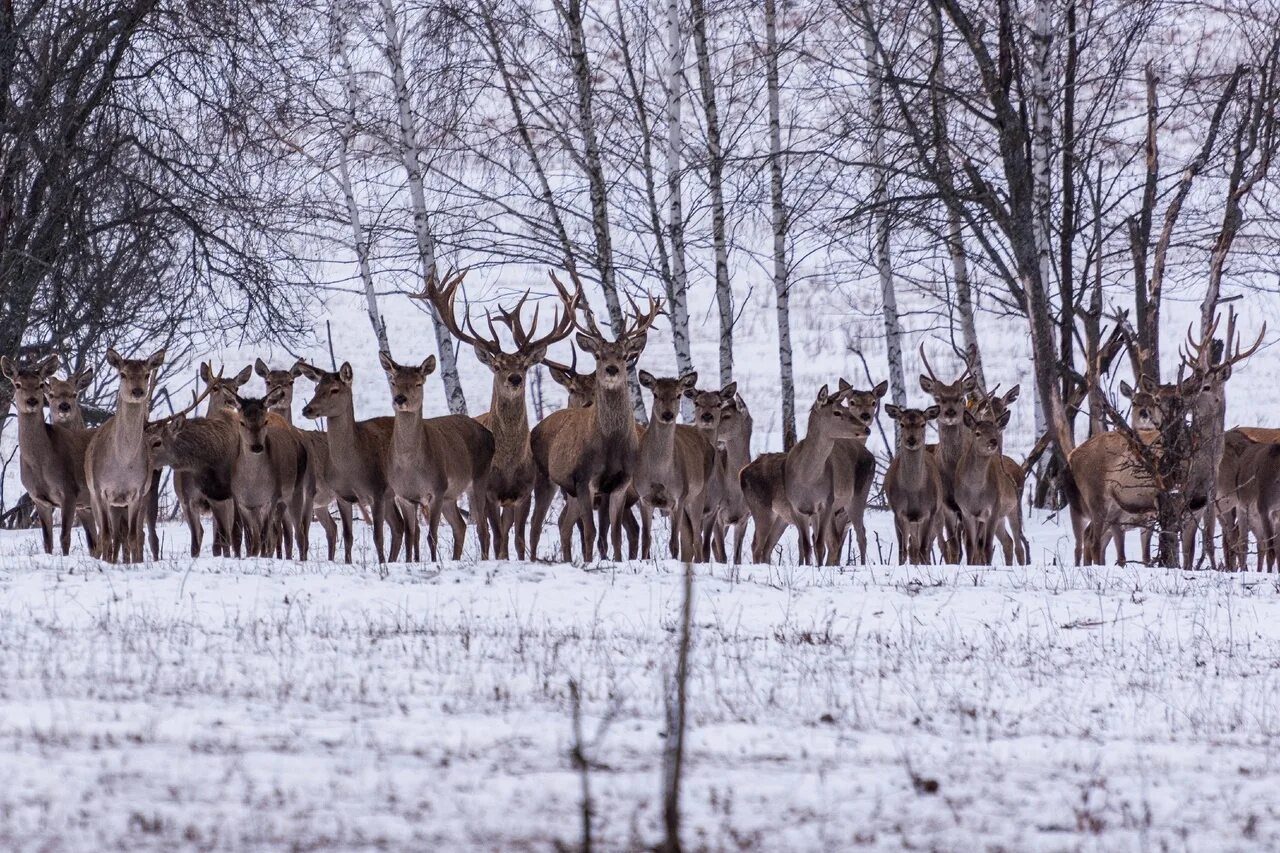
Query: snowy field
[261,704]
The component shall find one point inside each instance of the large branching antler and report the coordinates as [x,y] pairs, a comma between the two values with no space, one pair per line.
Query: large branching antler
[637,324]
[442,296]
[195,401]
[560,329]
[968,368]
[1197,354]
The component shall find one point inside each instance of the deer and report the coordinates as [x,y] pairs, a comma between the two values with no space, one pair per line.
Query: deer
[673,466]
[201,452]
[984,492]
[592,451]
[64,398]
[580,386]
[359,453]
[51,456]
[725,421]
[991,405]
[222,391]
[316,441]
[859,466]
[814,478]
[431,463]
[913,485]
[512,473]
[1255,494]
[118,461]
[270,478]
[950,398]
[763,483]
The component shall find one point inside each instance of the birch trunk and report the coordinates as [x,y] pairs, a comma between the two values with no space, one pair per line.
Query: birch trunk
[880,225]
[410,152]
[715,183]
[358,237]
[1041,162]
[778,218]
[677,286]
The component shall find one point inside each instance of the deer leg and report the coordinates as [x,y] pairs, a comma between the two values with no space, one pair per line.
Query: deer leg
[693,512]
[85,517]
[587,517]
[453,515]
[379,511]
[477,501]
[635,537]
[153,515]
[617,506]
[646,533]
[1006,543]
[135,516]
[195,529]
[543,490]
[568,524]
[223,523]
[522,525]
[323,516]
[68,521]
[739,533]
[44,513]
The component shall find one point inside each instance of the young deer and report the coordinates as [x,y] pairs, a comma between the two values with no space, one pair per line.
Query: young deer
[118,461]
[511,476]
[270,478]
[859,468]
[64,398]
[201,453]
[913,485]
[725,421]
[359,453]
[317,445]
[222,391]
[580,386]
[592,451]
[673,466]
[952,437]
[986,496]
[51,456]
[991,406]
[433,462]
[815,480]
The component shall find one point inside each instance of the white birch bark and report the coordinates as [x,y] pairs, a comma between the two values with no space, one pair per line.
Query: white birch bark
[1042,154]
[411,155]
[678,284]
[778,219]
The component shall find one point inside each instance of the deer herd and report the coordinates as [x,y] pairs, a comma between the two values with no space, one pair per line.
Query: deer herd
[264,480]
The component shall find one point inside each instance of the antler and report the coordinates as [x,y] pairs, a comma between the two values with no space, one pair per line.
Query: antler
[571,369]
[560,329]
[442,295]
[1196,354]
[640,322]
[195,401]
[968,368]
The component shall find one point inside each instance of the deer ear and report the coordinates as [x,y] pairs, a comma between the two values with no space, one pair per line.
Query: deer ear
[345,373]
[1125,389]
[843,385]
[243,376]
[893,411]
[882,388]
[536,354]
[1146,383]
[970,384]
[306,370]
[83,378]
[387,364]
[932,412]
[428,365]
[176,423]
[206,372]
[729,391]
[589,343]
[274,397]
[296,370]
[8,368]
[689,380]
[113,359]
[1003,420]
[1012,394]
[969,420]
[483,355]
[635,346]
[157,358]
[260,368]
[561,377]
[824,394]
[926,384]
[48,366]
[646,379]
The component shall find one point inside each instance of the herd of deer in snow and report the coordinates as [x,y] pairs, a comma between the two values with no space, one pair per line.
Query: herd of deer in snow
[264,480]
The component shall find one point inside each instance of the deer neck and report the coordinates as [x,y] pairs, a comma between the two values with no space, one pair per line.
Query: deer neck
[612,412]
[33,437]
[737,450]
[129,420]
[408,438]
[912,469]
[951,443]
[509,423]
[659,439]
[813,451]
[341,431]
[285,412]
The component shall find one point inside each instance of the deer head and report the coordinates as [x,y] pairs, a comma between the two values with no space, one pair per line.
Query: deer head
[333,390]
[950,397]
[64,395]
[715,409]
[279,379]
[581,386]
[252,417]
[1212,373]
[28,383]
[985,431]
[136,376]
[912,424]
[830,416]
[667,394]
[613,358]
[222,391]
[864,404]
[407,382]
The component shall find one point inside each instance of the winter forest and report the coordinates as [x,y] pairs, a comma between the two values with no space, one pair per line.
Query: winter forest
[639,424]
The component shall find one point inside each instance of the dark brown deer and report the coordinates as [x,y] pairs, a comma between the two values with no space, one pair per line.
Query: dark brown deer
[270,478]
[592,451]
[222,391]
[725,421]
[64,398]
[673,466]
[51,456]
[913,485]
[359,453]
[816,481]
[580,386]
[512,473]
[118,461]
[317,446]
[433,462]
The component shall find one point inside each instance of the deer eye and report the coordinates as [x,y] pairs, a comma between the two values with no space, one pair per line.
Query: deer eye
[838,413]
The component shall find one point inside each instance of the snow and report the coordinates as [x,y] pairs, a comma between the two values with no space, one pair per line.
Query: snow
[225,704]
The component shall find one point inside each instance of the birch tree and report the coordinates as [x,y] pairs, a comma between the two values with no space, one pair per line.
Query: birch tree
[778,222]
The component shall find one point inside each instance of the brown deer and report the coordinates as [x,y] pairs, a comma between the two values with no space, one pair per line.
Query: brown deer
[359,453]
[581,386]
[201,453]
[814,477]
[992,406]
[512,473]
[725,421]
[64,398]
[51,456]
[270,478]
[950,398]
[222,391]
[986,495]
[859,465]
[433,462]
[913,485]
[118,461]
[1256,495]
[764,489]
[592,451]
[317,446]
[673,466]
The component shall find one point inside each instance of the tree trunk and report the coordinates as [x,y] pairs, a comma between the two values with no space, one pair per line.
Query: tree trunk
[678,283]
[411,156]
[1041,163]
[778,210]
[880,227]
[715,183]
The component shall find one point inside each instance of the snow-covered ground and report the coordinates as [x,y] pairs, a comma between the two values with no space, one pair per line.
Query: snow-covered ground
[218,704]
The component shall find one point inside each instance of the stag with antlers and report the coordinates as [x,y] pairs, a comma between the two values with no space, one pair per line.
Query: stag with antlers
[512,472]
